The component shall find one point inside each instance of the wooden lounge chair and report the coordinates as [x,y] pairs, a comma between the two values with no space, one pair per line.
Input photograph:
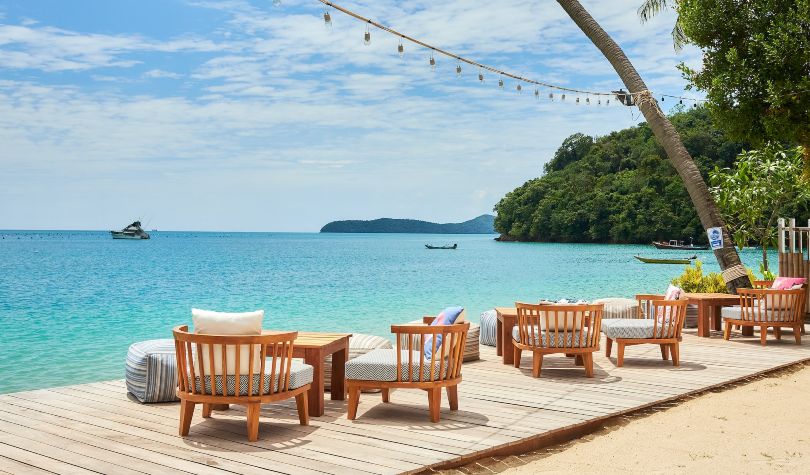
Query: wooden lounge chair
[551,328]
[407,367]
[662,325]
[278,377]
[764,308]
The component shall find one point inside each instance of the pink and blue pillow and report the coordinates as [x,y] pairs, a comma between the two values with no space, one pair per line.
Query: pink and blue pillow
[447,316]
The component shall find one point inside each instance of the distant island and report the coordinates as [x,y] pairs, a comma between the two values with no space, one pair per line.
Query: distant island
[483,224]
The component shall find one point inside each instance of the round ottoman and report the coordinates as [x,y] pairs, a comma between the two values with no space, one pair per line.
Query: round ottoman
[489,320]
[359,344]
[619,308]
[151,371]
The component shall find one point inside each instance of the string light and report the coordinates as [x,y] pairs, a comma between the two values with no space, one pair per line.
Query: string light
[519,88]
[458,70]
[627,98]
[327,18]
[587,101]
[551,96]
[537,93]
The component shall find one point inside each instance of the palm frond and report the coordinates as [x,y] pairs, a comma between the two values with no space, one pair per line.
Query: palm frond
[679,38]
[650,8]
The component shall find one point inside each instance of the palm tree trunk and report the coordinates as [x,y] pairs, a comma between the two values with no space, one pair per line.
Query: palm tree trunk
[734,272]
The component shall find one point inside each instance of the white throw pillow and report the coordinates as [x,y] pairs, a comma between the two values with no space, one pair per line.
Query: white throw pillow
[561,320]
[218,323]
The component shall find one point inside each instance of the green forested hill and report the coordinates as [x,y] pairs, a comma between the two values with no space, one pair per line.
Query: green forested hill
[615,189]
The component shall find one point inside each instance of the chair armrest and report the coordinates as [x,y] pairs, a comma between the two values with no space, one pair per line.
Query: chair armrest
[428,319]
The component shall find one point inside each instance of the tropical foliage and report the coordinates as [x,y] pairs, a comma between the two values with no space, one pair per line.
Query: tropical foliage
[761,186]
[615,189]
[650,8]
[756,67]
[693,280]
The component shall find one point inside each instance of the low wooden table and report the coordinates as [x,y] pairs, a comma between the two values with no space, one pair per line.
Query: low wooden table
[506,321]
[314,347]
[709,306]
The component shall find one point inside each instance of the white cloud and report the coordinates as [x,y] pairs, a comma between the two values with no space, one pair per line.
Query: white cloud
[159,73]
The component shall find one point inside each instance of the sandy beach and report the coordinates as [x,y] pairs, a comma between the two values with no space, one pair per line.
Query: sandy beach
[750,428]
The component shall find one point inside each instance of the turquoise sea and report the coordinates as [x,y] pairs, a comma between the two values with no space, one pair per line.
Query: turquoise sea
[72,302]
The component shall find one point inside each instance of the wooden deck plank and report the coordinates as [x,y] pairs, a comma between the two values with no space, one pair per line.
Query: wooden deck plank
[96,427]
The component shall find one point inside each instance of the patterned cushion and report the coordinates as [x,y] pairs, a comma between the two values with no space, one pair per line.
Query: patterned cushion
[151,371]
[447,316]
[618,307]
[472,350]
[359,344]
[300,375]
[640,328]
[381,365]
[552,339]
[768,315]
[489,321]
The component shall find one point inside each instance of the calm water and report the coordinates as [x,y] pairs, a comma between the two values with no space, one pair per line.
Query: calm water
[72,302]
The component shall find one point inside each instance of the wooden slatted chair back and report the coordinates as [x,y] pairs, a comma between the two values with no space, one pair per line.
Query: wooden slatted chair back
[447,355]
[771,305]
[645,302]
[559,326]
[275,350]
[668,318]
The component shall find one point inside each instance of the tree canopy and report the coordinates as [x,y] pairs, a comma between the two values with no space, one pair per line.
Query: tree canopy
[756,66]
[618,189]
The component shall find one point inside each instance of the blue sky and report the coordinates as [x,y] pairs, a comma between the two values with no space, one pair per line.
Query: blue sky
[241,115]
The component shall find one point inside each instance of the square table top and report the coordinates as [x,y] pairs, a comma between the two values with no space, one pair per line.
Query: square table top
[318,339]
[712,296]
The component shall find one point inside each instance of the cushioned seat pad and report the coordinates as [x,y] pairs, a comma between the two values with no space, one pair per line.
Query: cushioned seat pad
[766,315]
[381,365]
[151,371]
[300,375]
[553,339]
[622,328]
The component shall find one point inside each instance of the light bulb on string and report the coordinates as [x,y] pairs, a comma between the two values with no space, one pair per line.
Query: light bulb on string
[537,93]
[432,62]
[481,76]
[598,102]
[662,98]
[607,102]
[551,96]
[562,97]
[500,83]
[680,102]
[587,101]
[327,19]
[458,70]
[577,100]
[401,49]
[367,36]
[519,88]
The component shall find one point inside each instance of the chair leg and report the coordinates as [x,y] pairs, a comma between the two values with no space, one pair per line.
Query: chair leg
[620,359]
[537,364]
[579,360]
[763,335]
[727,331]
[452,396]
[797,334]
[434,403]
[253,410]
[608,347]
[206,410]
[354,401]
[587,359]
[517,353]
[186,412]
[664,352]
[386,395]
[675,349]
[302,401]
[777,332]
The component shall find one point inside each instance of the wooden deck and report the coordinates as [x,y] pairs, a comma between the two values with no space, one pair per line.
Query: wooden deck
[97,428]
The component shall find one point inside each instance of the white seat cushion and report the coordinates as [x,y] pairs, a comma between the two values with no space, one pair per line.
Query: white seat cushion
[618,307]
[552,339]
[300,375]
[637,328]
[757,315]
[381,365]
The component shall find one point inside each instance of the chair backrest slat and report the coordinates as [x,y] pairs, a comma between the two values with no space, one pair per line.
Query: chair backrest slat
[771,305]
[446,357]
[558,326]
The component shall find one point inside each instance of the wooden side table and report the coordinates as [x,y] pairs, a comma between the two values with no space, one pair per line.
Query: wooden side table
[506,321]
[709,306]
[314,347]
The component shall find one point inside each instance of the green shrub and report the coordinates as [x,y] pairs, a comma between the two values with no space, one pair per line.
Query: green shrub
[694,281]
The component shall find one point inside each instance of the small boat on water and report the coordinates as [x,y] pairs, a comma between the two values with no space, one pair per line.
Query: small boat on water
[454,246]
[133,231]
[652,260]
[679,245]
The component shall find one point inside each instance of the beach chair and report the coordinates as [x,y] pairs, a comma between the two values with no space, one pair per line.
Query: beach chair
[420,361]
[215,370]
[545,329]
[767,308]
[662,325]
